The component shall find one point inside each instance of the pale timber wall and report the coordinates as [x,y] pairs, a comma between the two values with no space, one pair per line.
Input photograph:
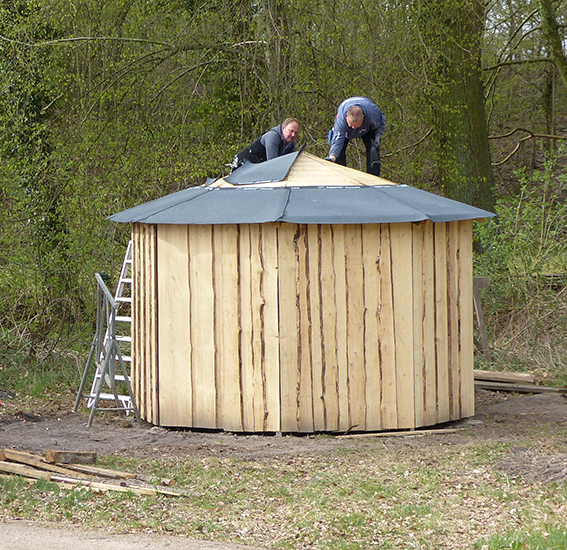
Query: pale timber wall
[145,382]
[304,328]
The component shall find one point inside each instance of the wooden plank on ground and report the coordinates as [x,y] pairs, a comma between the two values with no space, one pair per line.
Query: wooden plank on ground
[101,472]
[405,433]
[70,457]
[23,470]
[36,462]
[518,388]
[513,377]
[123,488]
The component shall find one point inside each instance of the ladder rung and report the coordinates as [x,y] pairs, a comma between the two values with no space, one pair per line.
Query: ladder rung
[123,299]
[123,338]
[126,280]
[109,396]
[117,377]
[123,319]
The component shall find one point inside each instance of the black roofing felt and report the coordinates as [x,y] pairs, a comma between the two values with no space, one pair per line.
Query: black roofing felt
[263,172]
[244,203]
[326,205]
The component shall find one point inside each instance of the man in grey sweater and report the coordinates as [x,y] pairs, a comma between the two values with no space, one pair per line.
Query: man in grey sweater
[278,141]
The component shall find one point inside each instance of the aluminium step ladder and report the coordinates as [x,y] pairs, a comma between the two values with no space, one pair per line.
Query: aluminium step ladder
[114,318]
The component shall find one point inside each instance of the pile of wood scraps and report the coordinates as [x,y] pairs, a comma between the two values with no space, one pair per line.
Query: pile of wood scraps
[511,382]
[71,470]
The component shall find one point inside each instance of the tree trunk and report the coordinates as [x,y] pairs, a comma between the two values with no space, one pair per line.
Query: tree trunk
[452,32]
[550,28]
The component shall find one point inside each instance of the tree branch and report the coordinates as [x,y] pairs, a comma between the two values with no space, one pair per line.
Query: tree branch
[531,135]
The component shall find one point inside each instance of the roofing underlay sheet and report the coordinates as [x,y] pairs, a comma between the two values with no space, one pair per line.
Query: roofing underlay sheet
[272,192]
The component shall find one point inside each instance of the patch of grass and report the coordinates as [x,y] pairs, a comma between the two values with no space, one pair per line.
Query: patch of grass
[369,497]
[38,375]
[551,538]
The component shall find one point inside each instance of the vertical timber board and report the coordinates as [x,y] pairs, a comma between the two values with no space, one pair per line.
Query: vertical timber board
[401,249]
[305,396]
[441,323]
[257,308]
[174,368]
[202,318]
[152,316]
[466,359]
[271,357]
[418,231]
[144,350]
[289,327]
[371,263]
[388,404]
[329,372]
[355,326]
[227,327]
[137,368]
[339,269]
[453,253]
[428,328]
[316,338]
[246,331]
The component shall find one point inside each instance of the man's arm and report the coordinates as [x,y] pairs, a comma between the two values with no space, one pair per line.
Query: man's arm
[272,142]
[338,138]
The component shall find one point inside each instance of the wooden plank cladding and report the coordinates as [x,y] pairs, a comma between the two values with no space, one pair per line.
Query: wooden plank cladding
[145,384]
[303,328]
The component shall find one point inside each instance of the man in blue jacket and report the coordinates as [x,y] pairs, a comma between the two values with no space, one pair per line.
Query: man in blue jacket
[278,141]
[358,117]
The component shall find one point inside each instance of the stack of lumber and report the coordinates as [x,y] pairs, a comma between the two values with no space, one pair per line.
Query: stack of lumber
[511,381]
[70,469]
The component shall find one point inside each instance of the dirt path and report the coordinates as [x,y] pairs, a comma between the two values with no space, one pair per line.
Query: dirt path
[27,535]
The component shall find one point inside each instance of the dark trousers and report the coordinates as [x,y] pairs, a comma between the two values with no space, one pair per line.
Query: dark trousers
[373,164]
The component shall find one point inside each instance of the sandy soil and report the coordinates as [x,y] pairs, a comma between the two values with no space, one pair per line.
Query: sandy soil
[501,417]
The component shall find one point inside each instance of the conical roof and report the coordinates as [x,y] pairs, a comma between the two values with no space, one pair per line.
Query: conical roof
[299,188]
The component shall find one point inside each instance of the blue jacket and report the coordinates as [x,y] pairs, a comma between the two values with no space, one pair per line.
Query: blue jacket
[374,121]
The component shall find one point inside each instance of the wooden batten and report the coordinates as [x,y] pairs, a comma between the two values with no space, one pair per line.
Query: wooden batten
[303,328]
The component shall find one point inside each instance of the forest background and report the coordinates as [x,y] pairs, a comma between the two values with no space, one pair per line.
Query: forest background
[106,104]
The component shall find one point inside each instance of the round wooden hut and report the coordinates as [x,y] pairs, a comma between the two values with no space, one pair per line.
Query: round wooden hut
[298,295]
